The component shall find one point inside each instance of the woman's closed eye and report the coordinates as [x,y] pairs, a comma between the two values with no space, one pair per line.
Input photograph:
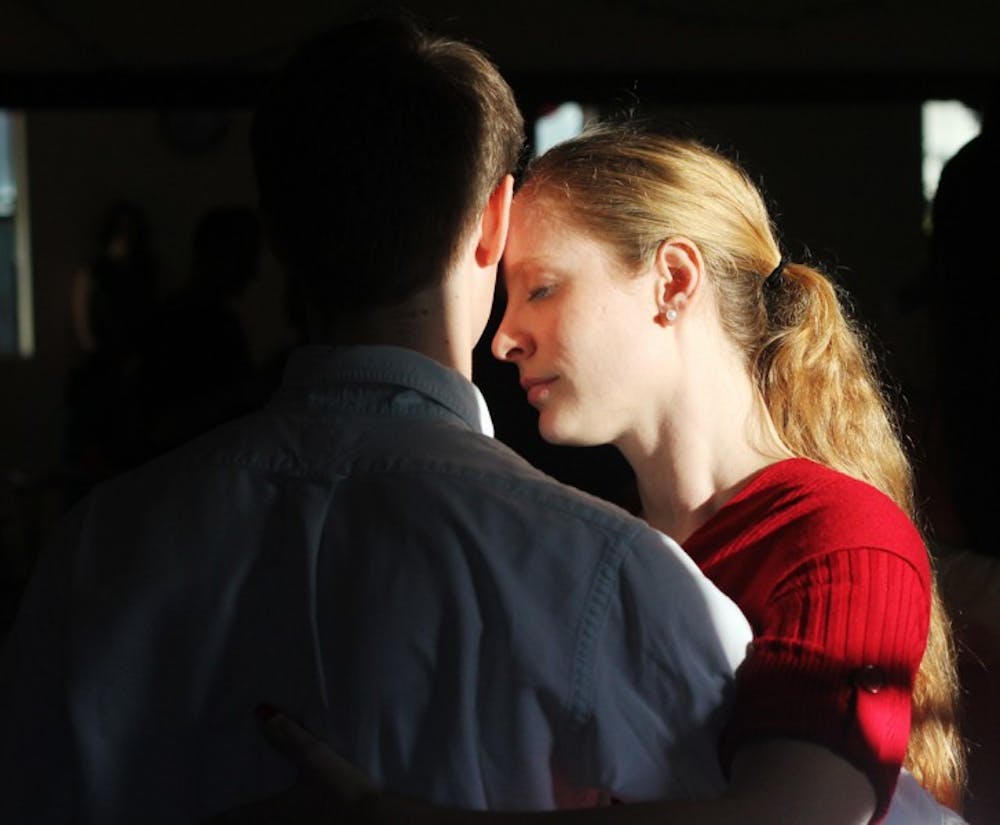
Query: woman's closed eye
[541,292]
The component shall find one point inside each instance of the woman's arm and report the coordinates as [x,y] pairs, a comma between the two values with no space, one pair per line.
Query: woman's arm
[773,781]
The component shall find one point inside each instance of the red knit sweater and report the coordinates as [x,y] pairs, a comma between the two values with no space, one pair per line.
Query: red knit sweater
[835,582]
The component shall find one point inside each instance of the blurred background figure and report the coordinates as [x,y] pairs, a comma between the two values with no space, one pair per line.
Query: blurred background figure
[965,289]
[960,439]
[197,371]
[113,298]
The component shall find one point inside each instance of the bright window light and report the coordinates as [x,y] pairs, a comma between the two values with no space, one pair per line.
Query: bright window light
[947,126]
[8,187]
[562,123]
[16,328]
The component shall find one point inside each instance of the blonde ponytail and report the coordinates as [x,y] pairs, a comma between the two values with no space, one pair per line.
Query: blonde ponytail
[819,383]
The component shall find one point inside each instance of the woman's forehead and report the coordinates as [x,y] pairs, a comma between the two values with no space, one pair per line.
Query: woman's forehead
[543,214]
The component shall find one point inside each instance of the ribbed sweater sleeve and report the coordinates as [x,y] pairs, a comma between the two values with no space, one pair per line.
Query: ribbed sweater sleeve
[835,582]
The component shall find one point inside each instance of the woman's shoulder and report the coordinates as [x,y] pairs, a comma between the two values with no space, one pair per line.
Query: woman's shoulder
[800,505]
[823,488]
[834,508]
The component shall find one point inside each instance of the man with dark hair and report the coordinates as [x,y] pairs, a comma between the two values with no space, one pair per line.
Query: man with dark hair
[368,186]
[361,552]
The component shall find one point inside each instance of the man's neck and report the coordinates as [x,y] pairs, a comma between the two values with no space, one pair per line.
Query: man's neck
[421,324]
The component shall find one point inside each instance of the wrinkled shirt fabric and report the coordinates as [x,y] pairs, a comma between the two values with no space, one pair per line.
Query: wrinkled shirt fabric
[362,554]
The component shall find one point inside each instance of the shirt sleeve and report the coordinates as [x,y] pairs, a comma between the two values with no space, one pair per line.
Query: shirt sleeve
[658,679]
[834,662]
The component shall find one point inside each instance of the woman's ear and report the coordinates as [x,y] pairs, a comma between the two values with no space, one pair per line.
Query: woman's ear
[679,273]
[494,223]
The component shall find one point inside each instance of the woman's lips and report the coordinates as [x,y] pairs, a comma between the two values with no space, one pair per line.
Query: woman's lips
[538,389]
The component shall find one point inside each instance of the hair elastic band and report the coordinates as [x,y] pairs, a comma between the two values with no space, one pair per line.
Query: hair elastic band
[771,279]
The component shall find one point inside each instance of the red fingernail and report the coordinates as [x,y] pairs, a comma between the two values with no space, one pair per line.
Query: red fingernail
[265,712]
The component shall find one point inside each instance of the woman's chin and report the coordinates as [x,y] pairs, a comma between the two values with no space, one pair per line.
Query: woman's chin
[560,434]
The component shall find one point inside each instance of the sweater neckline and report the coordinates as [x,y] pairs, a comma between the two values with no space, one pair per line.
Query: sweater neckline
[755,482]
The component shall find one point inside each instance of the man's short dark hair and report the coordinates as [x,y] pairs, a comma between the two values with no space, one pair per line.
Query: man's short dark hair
[375,148]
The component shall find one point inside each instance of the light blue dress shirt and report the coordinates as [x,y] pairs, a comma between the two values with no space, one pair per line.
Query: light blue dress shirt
[363,555]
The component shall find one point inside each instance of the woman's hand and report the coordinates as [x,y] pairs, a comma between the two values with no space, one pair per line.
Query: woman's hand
[332,791]
[347,785]
[329,790]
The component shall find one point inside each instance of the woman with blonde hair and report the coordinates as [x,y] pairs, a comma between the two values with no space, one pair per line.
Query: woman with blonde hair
[649,306]
[764,443]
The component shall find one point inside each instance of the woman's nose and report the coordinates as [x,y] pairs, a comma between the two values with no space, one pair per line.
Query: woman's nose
[508,345]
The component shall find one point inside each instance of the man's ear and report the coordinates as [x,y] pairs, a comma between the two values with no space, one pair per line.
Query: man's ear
[494,223]
[680,272]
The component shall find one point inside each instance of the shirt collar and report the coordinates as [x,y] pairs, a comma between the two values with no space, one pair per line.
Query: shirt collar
[311,365]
